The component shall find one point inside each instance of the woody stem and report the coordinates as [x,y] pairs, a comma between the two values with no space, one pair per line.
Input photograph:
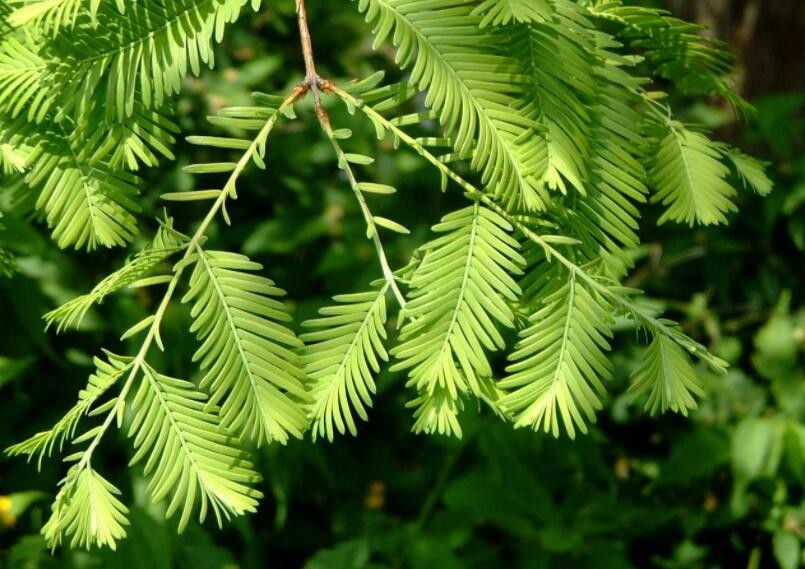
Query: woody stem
[312,79]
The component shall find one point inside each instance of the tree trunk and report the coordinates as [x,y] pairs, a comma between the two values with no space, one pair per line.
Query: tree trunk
[768,37]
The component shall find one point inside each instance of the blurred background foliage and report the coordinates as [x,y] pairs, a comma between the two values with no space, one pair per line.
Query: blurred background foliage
[720,489]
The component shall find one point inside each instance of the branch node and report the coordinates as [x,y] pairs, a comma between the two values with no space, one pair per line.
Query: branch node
[301,90]
[312,79]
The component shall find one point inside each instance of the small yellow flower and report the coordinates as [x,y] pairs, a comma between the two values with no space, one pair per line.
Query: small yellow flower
[7,519]
[376,496]
[710,503]
[622,468]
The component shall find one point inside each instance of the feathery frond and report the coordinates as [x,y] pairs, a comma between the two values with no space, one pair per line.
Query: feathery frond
[436,412]
[559,365]
[189,458]
[658,326]
[166,243]
[459,294]
[752,172]
[144,52]
[88,511]
[556,55]
[248,354]
[677,50]
[690,178]
[478,90]
[85,204]
[342,355]
[605,220]
[43,443]
[73,173]
[667,377]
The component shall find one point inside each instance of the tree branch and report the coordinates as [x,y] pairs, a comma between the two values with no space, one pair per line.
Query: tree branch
[153,334]
[616,294]
[316,85]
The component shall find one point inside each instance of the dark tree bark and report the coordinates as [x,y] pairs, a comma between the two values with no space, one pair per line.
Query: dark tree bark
[768,37]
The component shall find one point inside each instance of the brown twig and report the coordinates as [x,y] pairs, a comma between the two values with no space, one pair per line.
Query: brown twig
[312,79]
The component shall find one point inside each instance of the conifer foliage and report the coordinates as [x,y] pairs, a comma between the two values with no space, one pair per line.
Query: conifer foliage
[551,104]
